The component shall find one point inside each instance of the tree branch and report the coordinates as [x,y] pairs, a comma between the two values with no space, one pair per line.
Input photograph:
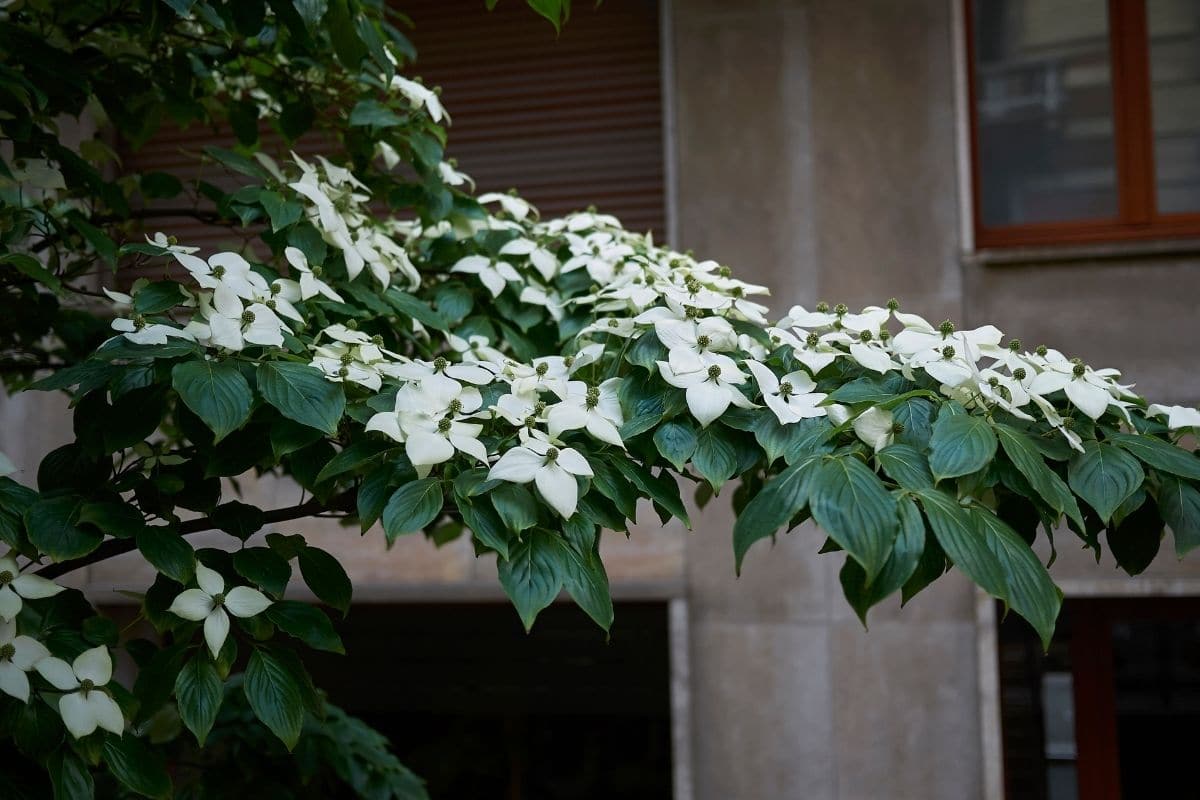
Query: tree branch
[115,547]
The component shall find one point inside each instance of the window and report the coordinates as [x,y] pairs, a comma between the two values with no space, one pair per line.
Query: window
[1085,119]
[1108,712]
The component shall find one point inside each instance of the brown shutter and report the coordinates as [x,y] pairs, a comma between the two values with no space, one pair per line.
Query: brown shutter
[569,121]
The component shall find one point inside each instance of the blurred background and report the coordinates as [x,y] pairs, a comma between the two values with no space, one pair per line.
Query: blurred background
[1033,164]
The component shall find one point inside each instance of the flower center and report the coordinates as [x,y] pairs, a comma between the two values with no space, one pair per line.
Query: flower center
[218,272]
[893,304]
[530,421]
[86,685]
[785,389]
[714,372]
[440,364]
[7,651]
[6,577]
[316,271]
[455,406]
[822,307]
[569,362]
[703,342]
[1015,345]
[551,455]
[841,309]
[539,407]
[724,272]
[1078,370]
[542,369]
[270,303]
[1042,350]
[947,352]
[612,323]
[377,340]
[865,336]
[884,334]
[897,428]
[1019,373]
[737,292]
[247,317]
[352,324]
[347,359]
[444,425]
[218,599]
[139,322]
[343,372]
[946,328]
[812,340]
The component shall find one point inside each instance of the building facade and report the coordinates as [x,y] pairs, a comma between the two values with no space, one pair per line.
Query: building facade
[1027,163]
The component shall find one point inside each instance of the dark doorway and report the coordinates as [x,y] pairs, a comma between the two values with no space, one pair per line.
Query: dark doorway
[482,710]
[1109,712]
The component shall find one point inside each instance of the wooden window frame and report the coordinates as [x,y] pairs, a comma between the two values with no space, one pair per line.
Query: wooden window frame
[1138,217]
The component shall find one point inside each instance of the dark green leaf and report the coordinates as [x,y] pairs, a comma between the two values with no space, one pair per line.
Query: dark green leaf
[238,519]
[158,297]
[715,457]
[52,529]
[281,211]
[1180,506]
[533,574]
[1030,591]
[326,578]
[216,392]
[412,507]
[906,465]
[302,394]
[961,444]
[851,504]
[676,441]
[782,498]
[139,768]
[167,552]
[1161,455]
[1028,461]
[515,505]
[264,567]
[1104,476]
[352,457]
[275,696]
[374,114]
[962,541]
[199,693]
[307,623]
[69,777]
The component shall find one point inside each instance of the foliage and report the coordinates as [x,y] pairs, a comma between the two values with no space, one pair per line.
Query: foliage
[417,356]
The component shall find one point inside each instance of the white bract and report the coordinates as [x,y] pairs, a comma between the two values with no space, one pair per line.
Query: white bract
[18,655]
[551,467]
[15,587]
[86,705]
[211,604]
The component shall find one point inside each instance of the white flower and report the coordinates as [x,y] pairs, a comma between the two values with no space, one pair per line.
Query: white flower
[514,206]
[876,427]
[593,408]
[792,397]
[310,284]
[420,95]
[552,469]
[233,325]
[493,274]
[18,655]
[1089,392]
[85,706]
[599,253]
[342,362]
[139,331]
[14,586]
[542,259]
[433,441]
[452,177]
[161,240]
[710,385]
[210,603]
[698,337]
[1177,416]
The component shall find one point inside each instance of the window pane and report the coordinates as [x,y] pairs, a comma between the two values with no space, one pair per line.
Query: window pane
[1175,77]
[1043,95]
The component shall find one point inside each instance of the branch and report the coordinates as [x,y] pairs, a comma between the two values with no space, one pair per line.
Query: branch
[115,547]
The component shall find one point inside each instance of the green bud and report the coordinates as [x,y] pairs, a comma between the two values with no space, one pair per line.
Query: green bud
[1078,370]
[444,424]
[947,352]
[714,372]
[822,307]
[1042,350]
[1019,373]
[440,364]
[352,324]
[247,317]
[1015,345]
[552,455]
[893,304]
[946,328]
[840,309]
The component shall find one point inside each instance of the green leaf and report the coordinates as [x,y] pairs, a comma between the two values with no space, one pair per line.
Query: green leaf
[216,392]
[32,268]
[486,526]
[515,505]
[158,297]
[1104,476]
[1135,542]
[167,552]
[867,390]
[676,441]
[900,566]
[374,114]
[302,394]
[52,529]
[1028,461]
[586,581]
[906,465]
[1029,590]
[139,768]
[1161,455]
[962,542]
[326,578]
[264,567]
[412,507]
[781,499]
[715,457]
[1179,503]
[199,694]
[112,518]
[533,574]
[238,163]
[282,211]
[851,504]
[69,776]
[351,457]
[238,519]
[307,623]
[275,696]
[413,308]
[961,444]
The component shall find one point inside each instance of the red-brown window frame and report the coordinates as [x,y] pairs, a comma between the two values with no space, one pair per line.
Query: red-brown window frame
[1137,216]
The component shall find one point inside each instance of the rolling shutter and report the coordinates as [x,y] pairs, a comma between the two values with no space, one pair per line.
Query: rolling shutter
[569,120]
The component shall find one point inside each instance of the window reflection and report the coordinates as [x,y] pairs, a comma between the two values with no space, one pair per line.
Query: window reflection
[1043,98]
[1174,27]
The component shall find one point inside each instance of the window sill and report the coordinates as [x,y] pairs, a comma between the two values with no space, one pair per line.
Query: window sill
[1069,253]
